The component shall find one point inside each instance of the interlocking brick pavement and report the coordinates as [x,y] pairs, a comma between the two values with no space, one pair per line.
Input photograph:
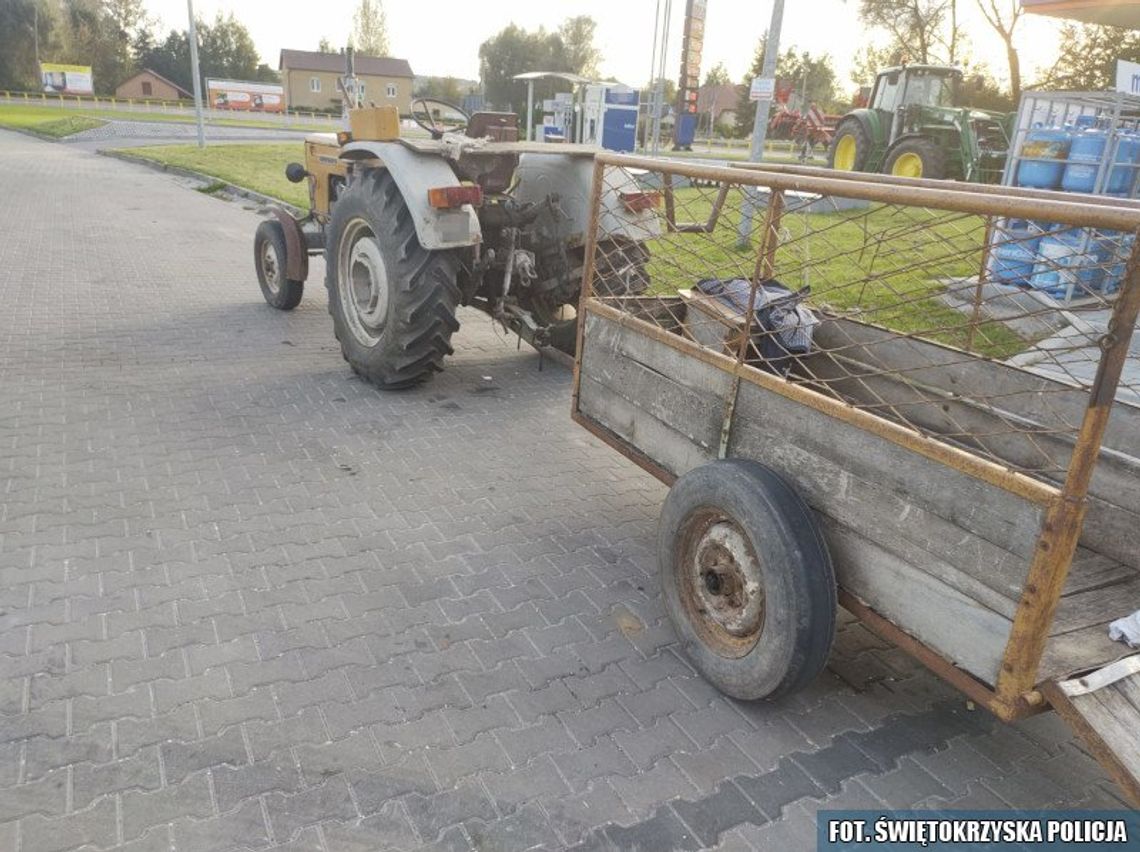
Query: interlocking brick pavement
[247,601]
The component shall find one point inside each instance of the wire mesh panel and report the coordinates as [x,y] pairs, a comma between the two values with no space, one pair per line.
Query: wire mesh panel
[976,320]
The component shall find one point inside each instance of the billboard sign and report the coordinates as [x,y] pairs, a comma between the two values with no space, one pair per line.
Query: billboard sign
[67,79]
[245,96]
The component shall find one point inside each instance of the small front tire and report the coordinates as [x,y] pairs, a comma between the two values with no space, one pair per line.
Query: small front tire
[747,579]
[269,257]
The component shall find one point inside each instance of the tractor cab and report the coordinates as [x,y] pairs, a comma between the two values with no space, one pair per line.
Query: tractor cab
[921,85]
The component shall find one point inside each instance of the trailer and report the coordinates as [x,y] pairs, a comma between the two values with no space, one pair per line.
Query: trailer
[850,412]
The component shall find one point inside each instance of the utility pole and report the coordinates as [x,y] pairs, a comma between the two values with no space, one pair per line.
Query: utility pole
[196,74]
[763,111]
[36,34]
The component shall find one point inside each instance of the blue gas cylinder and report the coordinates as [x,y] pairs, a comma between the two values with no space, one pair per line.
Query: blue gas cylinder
[1085,155]
[1013,253]
[1067,265]
[1043,155]
[1123,173]
[1112,249]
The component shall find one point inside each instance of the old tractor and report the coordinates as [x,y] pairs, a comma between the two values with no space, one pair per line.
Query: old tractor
[912,128]
[412,228]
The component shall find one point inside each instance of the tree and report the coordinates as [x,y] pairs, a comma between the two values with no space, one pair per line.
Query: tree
[921,31]
[811,77]
[1088,57]
[717,76]
[512,51]
[577,36]
[440,88]
[1004,23]
[225,50]
[17,43]
[370,28]
[325,46]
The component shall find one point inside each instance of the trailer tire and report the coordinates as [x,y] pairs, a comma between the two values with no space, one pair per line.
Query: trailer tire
[747,579]
[269,258]
[393,302]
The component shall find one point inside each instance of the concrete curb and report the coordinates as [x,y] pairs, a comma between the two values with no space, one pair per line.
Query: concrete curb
[35,134]
[231,190]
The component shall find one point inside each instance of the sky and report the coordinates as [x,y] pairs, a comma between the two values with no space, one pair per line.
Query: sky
[442,37]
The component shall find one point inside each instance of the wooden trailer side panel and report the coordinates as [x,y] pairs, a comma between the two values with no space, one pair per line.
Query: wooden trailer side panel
[939,552]
[1028,420]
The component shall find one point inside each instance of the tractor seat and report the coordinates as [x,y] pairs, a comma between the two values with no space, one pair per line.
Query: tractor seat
[499,126]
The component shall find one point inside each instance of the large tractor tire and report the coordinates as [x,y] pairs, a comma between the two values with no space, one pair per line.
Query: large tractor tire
[393,302]
[850,147]
[269,257]
[747,579]
[916,158]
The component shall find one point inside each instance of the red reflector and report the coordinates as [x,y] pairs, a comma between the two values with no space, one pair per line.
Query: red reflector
[639,202]
[455,196]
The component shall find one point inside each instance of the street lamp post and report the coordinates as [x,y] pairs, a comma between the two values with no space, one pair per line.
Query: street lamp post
[763,110]
[196,74]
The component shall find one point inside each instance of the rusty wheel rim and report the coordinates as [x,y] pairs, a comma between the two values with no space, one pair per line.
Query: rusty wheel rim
[721,583]
[271,266]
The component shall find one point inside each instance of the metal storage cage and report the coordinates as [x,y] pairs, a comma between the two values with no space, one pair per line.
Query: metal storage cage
[1075,142]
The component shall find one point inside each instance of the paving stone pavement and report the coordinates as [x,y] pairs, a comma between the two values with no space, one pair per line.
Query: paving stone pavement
[248,602]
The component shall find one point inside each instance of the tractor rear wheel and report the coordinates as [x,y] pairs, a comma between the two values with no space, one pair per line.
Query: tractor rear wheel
[916,158]
[269,257]
[850,147]
[393,302]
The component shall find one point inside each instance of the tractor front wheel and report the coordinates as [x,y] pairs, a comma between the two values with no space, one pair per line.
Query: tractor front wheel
[916,158]
[269,257]
[850,147]
[392,301]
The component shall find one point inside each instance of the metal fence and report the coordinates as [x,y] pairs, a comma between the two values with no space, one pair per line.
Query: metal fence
[901,285]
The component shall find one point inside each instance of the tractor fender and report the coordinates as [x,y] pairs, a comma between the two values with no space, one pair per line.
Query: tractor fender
[872,124]
[570,177]
[296,247]
[414,174]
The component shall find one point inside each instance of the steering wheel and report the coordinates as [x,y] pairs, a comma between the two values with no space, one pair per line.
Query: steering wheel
[431,125]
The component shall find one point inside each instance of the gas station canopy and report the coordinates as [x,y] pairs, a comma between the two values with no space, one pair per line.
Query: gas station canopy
[1113,13]
[560,75]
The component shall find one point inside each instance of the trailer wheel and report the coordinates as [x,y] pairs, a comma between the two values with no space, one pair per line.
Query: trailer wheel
[269,253]
[393,302]
[748,580]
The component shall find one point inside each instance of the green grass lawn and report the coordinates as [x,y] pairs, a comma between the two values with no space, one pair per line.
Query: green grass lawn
[50,122]
[885,265]
[260,167]
[37,117]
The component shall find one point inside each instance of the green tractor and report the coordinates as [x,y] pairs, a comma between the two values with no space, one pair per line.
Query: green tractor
[913,128]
